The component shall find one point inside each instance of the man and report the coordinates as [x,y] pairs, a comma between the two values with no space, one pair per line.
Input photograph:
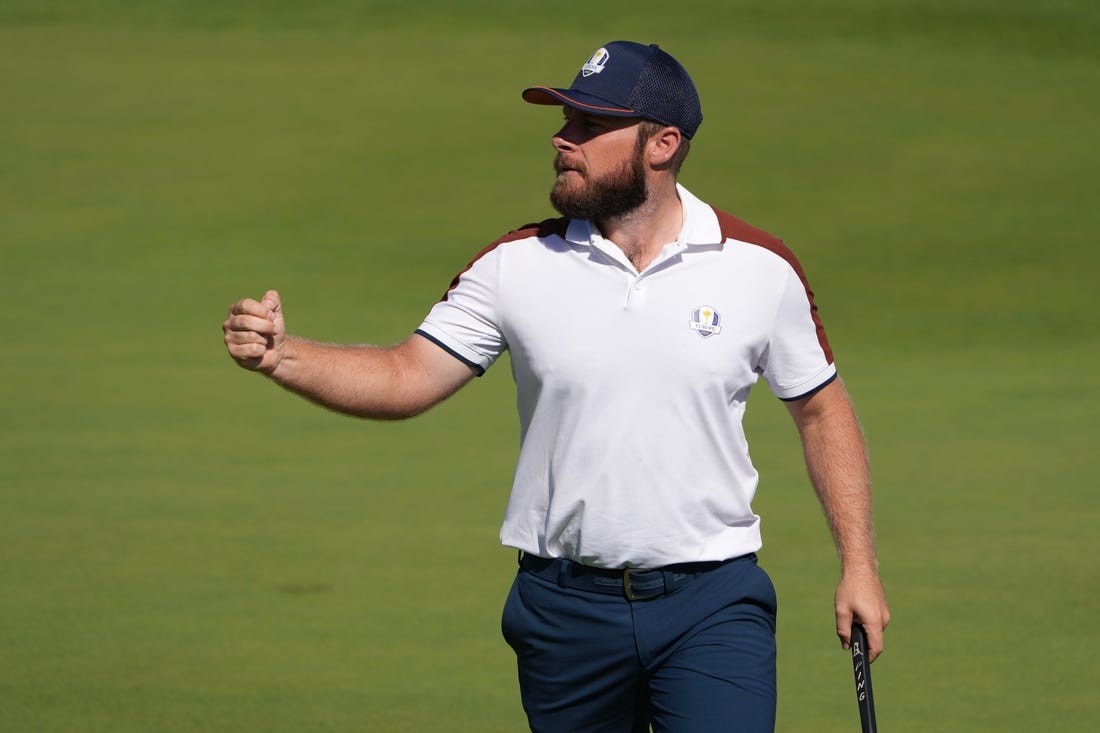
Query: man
[637,324]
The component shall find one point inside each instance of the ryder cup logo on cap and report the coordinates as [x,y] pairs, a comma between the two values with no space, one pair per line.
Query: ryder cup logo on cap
[627,79]
[704,321]
[595,64]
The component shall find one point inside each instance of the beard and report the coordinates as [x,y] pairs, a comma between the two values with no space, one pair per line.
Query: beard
[611,195]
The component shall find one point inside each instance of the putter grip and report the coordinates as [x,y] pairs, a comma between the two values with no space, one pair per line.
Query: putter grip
[861,666]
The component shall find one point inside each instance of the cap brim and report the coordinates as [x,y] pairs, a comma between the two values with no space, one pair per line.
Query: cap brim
[580,100]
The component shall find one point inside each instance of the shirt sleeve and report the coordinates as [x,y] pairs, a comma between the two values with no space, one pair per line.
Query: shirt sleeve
[466,321]
[797,360]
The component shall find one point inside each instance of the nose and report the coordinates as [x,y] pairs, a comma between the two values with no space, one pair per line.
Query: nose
[560,141]
[570,136]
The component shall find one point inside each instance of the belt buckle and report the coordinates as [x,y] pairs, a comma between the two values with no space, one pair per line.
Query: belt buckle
[628,591]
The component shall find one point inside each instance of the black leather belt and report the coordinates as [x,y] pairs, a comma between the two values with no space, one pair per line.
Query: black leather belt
[634,585]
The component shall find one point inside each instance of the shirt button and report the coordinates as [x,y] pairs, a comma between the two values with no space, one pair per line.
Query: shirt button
[638,287]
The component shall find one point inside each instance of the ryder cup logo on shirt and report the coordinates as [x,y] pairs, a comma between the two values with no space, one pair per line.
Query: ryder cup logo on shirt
[595,64]
[705,320]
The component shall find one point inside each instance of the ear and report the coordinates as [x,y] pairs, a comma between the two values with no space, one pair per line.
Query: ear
[663,145]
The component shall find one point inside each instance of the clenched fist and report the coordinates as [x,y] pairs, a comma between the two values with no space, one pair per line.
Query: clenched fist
[255,333]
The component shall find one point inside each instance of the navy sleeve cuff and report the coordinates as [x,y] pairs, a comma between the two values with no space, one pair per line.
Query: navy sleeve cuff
[803,396]
[476,367]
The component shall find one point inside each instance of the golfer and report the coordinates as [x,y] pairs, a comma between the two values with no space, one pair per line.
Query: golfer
[638,322]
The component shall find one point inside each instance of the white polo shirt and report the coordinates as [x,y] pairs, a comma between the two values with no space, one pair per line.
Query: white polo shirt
[631,386]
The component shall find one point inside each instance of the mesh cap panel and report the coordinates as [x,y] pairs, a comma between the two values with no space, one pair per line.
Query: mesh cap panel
[665,93]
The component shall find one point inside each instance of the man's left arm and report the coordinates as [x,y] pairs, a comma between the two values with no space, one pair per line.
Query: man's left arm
[836,458]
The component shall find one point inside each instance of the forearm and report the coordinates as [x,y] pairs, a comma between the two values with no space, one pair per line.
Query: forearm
[387,383]
[836,459]
[837,463]
[361,380]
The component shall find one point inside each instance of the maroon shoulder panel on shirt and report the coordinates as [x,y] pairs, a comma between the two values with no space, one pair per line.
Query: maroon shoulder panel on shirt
[734,228]
[546,228]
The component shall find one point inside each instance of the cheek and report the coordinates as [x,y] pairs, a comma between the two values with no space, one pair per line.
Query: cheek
[614,157]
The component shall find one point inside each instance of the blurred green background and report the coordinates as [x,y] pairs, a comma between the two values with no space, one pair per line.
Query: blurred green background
[184,547]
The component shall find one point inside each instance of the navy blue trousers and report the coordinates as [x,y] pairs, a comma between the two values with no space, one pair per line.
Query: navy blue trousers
[699,660]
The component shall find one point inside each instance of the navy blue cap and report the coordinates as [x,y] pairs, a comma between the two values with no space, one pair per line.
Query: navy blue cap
[627,79]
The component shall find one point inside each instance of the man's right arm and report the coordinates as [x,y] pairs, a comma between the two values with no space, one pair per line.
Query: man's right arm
[387,383]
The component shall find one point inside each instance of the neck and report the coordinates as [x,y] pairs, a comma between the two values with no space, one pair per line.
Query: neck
[641,233]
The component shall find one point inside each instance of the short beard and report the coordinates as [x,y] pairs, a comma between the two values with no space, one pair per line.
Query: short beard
[615,194]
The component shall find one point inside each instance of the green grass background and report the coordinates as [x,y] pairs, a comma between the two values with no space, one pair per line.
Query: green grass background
[183,547]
